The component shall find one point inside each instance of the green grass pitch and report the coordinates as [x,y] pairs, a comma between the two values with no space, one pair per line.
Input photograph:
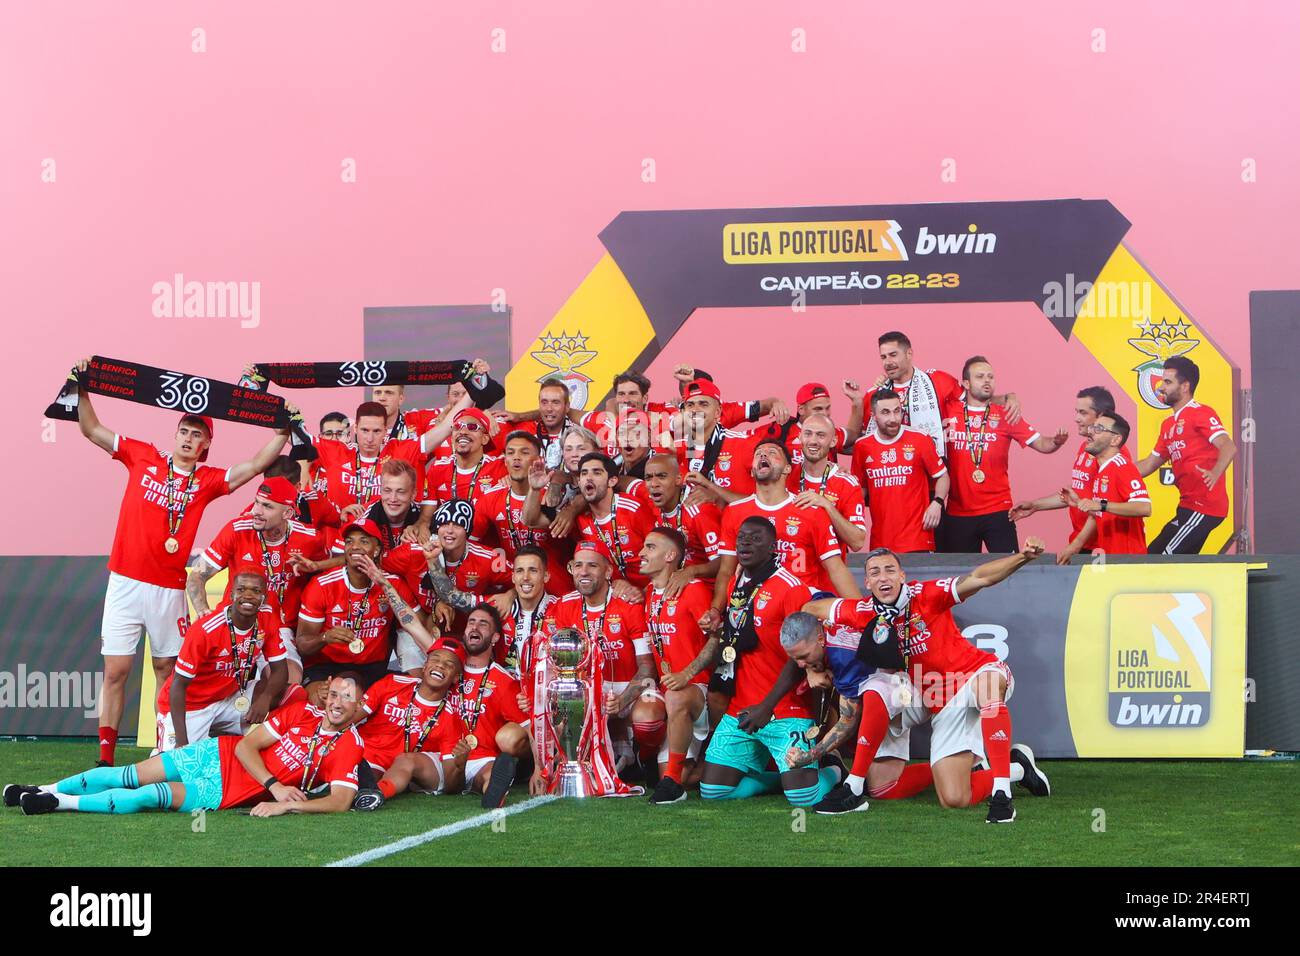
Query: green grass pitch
[1116,813]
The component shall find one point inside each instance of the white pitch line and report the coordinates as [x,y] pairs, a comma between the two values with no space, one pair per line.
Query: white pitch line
[450,829]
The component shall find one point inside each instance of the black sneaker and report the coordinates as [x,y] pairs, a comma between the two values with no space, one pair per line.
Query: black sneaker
[1001,809]
[498,787]
[1034,780]
[367,800]
[836,762]
[842,800]
[668,791]
[38,802]
[14,791]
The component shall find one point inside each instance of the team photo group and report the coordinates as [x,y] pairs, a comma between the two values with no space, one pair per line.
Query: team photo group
[405,589]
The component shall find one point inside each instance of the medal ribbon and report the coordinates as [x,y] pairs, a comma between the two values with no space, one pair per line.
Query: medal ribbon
[974,447]
[615,550]
[243,665]
[311,766]
[407,726]
[176,505]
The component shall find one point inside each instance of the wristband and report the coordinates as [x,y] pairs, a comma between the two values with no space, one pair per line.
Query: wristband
[937,500]
[1103,504]
[269,782]
[549,511]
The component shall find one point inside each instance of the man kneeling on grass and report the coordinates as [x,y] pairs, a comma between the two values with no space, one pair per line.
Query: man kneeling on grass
[299,751]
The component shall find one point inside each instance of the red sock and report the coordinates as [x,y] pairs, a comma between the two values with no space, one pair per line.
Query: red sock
[676,763]
[995,723]
[107,743]
[914,778]
[387,789]
[649,737]
[981,785]
[871,733]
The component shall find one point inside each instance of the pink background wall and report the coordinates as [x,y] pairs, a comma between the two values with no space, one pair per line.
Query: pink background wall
[478,170]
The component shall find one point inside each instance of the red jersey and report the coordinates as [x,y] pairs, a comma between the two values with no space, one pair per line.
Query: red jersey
[939,659]
[1118,480]
[1186,440]
[840,488]
[142,522]
[1082,472]
[486,700]
[331,601]
[804,537]
[503,511]
[399,720]
[621,534]
[731,414]
[674,626]
[758,669]
[414,422]
[481,572]
[406,560]
[989,429]
[347,477]
[618,626]
[446,480]
[727,460]
[240,547]
[946,388]
[303,756]
[701,525]
[206,657]
[794,442]
[898,478]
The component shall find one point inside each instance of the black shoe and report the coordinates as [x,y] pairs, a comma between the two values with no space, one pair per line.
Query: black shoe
[14,792]
[836,762]
[842,800]
[667,791]
[1001,809]
[38,802]
[1034,780]
[632,772]
[498,788]
[367,800]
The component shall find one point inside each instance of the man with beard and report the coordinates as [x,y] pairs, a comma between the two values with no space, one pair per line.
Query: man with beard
[700,524]
[964,688]
[673,623]
[456,563]
[1118,500]
[618,626]
[216,686]
[822,483]
[979,436]
[715,461]
[768,714]
[815,399]
[469,472]
[403,424]
[346,618]
[412,732]
[902,477]
[1089,403]
[503,507]
[487,700]
[300,750]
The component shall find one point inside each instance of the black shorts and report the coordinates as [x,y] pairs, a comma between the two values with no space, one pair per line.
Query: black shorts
[324,671]
[1185,533]
[722,685]
[969,534]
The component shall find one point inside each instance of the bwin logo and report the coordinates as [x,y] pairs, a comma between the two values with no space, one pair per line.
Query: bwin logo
[77,909]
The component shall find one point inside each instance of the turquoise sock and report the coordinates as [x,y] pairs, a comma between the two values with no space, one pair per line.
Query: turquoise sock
[98,780]
[757,784]
[153,796]
[807,796]
[714,791]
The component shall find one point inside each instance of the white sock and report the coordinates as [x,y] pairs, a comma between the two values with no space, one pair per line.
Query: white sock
[68,801]
[855,783]
[1002,785]
[1017,773]
[49,788]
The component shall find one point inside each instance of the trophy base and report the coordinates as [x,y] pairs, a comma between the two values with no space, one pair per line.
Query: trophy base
[571,780]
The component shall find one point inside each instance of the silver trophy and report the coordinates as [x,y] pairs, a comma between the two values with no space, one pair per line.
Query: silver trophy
[568,708]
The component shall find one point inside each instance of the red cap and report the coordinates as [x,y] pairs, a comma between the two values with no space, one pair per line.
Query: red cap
[453,645]
[484,422]
[364,524]
[702,386]
[810,391]
[278,490]
[207,421]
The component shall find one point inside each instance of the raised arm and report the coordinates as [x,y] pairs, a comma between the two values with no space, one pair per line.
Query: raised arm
[88,420]
[247,470]
[999,569]
[1047,444]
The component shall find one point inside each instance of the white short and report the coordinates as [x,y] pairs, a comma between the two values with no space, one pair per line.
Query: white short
[617,687]
[210,721]
[436,760]
[905,711]
[133,607]
[408,654]
[956,728]
[472,768]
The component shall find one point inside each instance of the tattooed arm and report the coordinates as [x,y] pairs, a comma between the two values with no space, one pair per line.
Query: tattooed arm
[844,729]
[706,658]
[407,619]
[443,585]
[196,585]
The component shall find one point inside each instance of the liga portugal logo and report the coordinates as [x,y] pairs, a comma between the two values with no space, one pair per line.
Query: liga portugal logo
[1161,341]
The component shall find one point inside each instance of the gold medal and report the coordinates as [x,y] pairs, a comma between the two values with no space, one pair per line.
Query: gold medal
[171,545]
[472,741]
[811,733]
[356,645]
[728,654]
[977,476]
[241,704]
